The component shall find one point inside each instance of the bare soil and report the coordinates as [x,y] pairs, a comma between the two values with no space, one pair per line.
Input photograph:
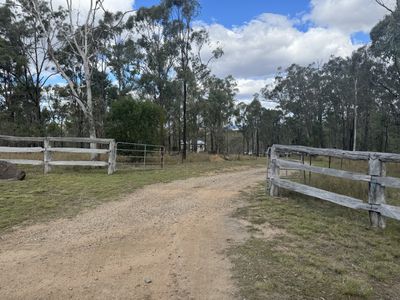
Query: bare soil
[165,241]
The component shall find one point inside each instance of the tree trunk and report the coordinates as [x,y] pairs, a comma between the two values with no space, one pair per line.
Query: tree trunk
[169,137]
[184,120]
[243,144]
[227,142]
[179,141]
[386,138]
[205,139]
[366,131]
[90,117]
[355,114]
[212,141]
[257,143]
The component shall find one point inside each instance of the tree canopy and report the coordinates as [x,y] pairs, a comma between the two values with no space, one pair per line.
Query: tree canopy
[144,77]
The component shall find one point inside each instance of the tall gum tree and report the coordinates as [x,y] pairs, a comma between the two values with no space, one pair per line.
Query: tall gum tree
[182,13]
[65,28]
[25,39]
[189,41]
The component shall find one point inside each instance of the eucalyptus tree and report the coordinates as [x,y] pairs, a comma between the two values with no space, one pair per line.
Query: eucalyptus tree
[240,115]
[218,109]
[385,38]
[363,69]
[385,47]
[338,95]
[189,67]
[69,34]
[182,14]
[157,54]
[121,53]
[260,127]
[298,94]
[12,64]
[158,51]
[23,38]
[170,52]
[254,119]
[271,131]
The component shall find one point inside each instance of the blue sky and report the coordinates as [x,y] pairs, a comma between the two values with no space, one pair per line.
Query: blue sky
[235,13]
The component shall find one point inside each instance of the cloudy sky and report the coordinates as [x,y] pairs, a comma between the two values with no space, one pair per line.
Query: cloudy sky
[258,36]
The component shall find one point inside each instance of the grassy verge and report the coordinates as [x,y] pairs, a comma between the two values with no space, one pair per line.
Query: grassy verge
[65,192]
[302,248]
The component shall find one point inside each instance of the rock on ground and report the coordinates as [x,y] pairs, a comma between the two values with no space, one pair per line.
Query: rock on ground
[9,171]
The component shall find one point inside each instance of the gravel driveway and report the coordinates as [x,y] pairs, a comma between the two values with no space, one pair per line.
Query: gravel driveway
[165,241]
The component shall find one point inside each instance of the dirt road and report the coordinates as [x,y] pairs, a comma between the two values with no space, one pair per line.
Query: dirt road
[165,241]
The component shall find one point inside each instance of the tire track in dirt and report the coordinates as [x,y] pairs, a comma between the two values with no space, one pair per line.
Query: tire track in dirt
[173,235]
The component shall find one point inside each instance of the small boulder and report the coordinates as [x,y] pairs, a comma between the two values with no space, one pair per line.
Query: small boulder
[9,171]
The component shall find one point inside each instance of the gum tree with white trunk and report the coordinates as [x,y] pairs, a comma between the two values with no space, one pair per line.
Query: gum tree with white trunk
[68,29]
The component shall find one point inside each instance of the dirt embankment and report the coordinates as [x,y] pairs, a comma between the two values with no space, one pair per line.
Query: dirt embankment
[165,241]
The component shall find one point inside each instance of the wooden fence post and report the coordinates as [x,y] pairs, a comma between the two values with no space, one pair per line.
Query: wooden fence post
[112,158]
[162,150]
[376,192]
[46,156]
[286,170]
[115,156]
[274,190]
[144,157]
[268,177]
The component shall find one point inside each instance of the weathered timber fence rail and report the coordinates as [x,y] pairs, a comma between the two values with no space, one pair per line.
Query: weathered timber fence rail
[47,149]
[376,178]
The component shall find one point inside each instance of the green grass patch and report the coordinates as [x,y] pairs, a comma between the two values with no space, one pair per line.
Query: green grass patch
[321,251]
[65,192]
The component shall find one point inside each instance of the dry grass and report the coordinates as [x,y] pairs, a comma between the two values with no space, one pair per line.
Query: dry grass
[205,157]
[67,191]
[348,187]
[324,251]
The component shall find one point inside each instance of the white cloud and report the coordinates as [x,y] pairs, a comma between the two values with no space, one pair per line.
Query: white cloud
[348,15]
[83,6]
[271,41]
[248,87]
[110,5]
[118,5]
[258,48]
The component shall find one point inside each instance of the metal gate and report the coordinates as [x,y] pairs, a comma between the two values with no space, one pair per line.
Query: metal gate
[133,156]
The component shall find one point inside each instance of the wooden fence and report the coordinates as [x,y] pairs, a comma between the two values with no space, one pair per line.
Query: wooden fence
[376,178]
[48,149]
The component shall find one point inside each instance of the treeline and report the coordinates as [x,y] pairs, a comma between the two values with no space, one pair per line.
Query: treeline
[348,103]
[144,77]
[135,77]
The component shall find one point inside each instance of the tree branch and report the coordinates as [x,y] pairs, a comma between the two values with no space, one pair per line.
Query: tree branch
[382,3]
